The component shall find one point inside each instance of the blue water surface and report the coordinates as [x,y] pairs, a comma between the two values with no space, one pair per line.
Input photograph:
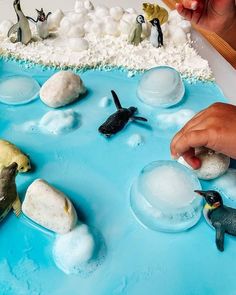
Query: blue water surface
[97,173]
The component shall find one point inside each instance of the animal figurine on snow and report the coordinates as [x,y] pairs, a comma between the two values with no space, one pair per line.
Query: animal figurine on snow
[117,121]
[221,217]
[136,31]
[22,27]
[156,37]
[41,23]
[155,11]
[8,192]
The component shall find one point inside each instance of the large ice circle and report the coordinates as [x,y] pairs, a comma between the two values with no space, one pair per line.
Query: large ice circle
[16,90]
[163,198]
[161,87]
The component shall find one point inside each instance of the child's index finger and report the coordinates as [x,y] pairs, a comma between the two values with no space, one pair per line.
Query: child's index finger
[190,4]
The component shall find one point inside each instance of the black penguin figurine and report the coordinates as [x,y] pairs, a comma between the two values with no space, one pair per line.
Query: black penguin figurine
[222,218]
[156,37]
[117,121]
[41,23]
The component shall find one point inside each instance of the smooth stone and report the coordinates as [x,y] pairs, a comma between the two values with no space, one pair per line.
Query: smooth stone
[61,89]
[213,164]
[49,207]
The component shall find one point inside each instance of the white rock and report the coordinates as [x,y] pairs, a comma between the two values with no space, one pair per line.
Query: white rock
[116,13]
[54,20]
[65,26]
[59,122]
[61,89]
[185,26]
[102,11]
[49,207]
[105,102]
[76,32]
[78,44]
[112,28]
[88,5]
[5,27]
[74,249]
[135,140]
[213,164]
[78,5]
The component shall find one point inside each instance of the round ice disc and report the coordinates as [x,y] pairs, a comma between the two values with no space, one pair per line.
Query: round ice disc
[163,197]
[16,90]
[161,87]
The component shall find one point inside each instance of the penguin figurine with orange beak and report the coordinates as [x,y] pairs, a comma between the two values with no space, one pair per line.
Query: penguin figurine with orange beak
[220,217]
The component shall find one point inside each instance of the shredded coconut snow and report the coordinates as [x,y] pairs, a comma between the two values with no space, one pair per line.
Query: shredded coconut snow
[106,45]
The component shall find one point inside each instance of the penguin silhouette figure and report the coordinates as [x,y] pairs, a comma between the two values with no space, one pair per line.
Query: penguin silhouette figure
[156,37]
[41,23]
[222,218]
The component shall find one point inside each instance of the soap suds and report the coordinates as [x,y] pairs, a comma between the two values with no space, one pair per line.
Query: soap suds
[135,140]
[174,120]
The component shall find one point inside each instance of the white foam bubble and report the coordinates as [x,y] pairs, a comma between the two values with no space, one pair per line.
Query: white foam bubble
[105,102]
[174,120]
[135,140]
[78,252]
[58,122]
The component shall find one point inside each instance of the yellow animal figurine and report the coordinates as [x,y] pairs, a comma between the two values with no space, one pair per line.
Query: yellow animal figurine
[9,154]
[155,11]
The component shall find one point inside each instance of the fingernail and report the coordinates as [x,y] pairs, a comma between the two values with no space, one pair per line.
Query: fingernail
[175,157]
[194,5]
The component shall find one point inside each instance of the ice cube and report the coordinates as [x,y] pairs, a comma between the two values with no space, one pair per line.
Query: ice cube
[161,87]
[163,197]
[16,90]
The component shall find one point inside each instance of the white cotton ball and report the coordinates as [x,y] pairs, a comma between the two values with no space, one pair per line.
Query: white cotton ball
[78,18]
[102,11]
[213,164]
[112,28]
[88,5]
[96,29]
[125,27]
[5,27]
[130,18]
[174,17]
[87,26]
[76,32]
[82,10]
[131,11]
[78,44]
[54,19]
[116,13]
[185,26]
[177,35]
[65,26]
[78,5]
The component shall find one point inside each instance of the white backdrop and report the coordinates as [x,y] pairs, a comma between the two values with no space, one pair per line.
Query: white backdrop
[224,73]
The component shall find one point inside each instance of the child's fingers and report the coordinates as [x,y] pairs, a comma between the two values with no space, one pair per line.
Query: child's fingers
[186,13]
[192,139]
[191,159]
[190,4]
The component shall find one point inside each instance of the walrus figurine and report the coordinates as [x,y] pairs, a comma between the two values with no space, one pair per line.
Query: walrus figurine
[219,216]
[8,192]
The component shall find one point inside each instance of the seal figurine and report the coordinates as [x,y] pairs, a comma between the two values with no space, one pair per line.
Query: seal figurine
[222,218]
[8,192]
[136,31]
[156,37]
[10,154]
[41,23]
[117,121]
[22,27]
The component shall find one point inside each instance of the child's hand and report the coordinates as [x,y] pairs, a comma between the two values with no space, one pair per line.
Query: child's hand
[214,128]
[214,15]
